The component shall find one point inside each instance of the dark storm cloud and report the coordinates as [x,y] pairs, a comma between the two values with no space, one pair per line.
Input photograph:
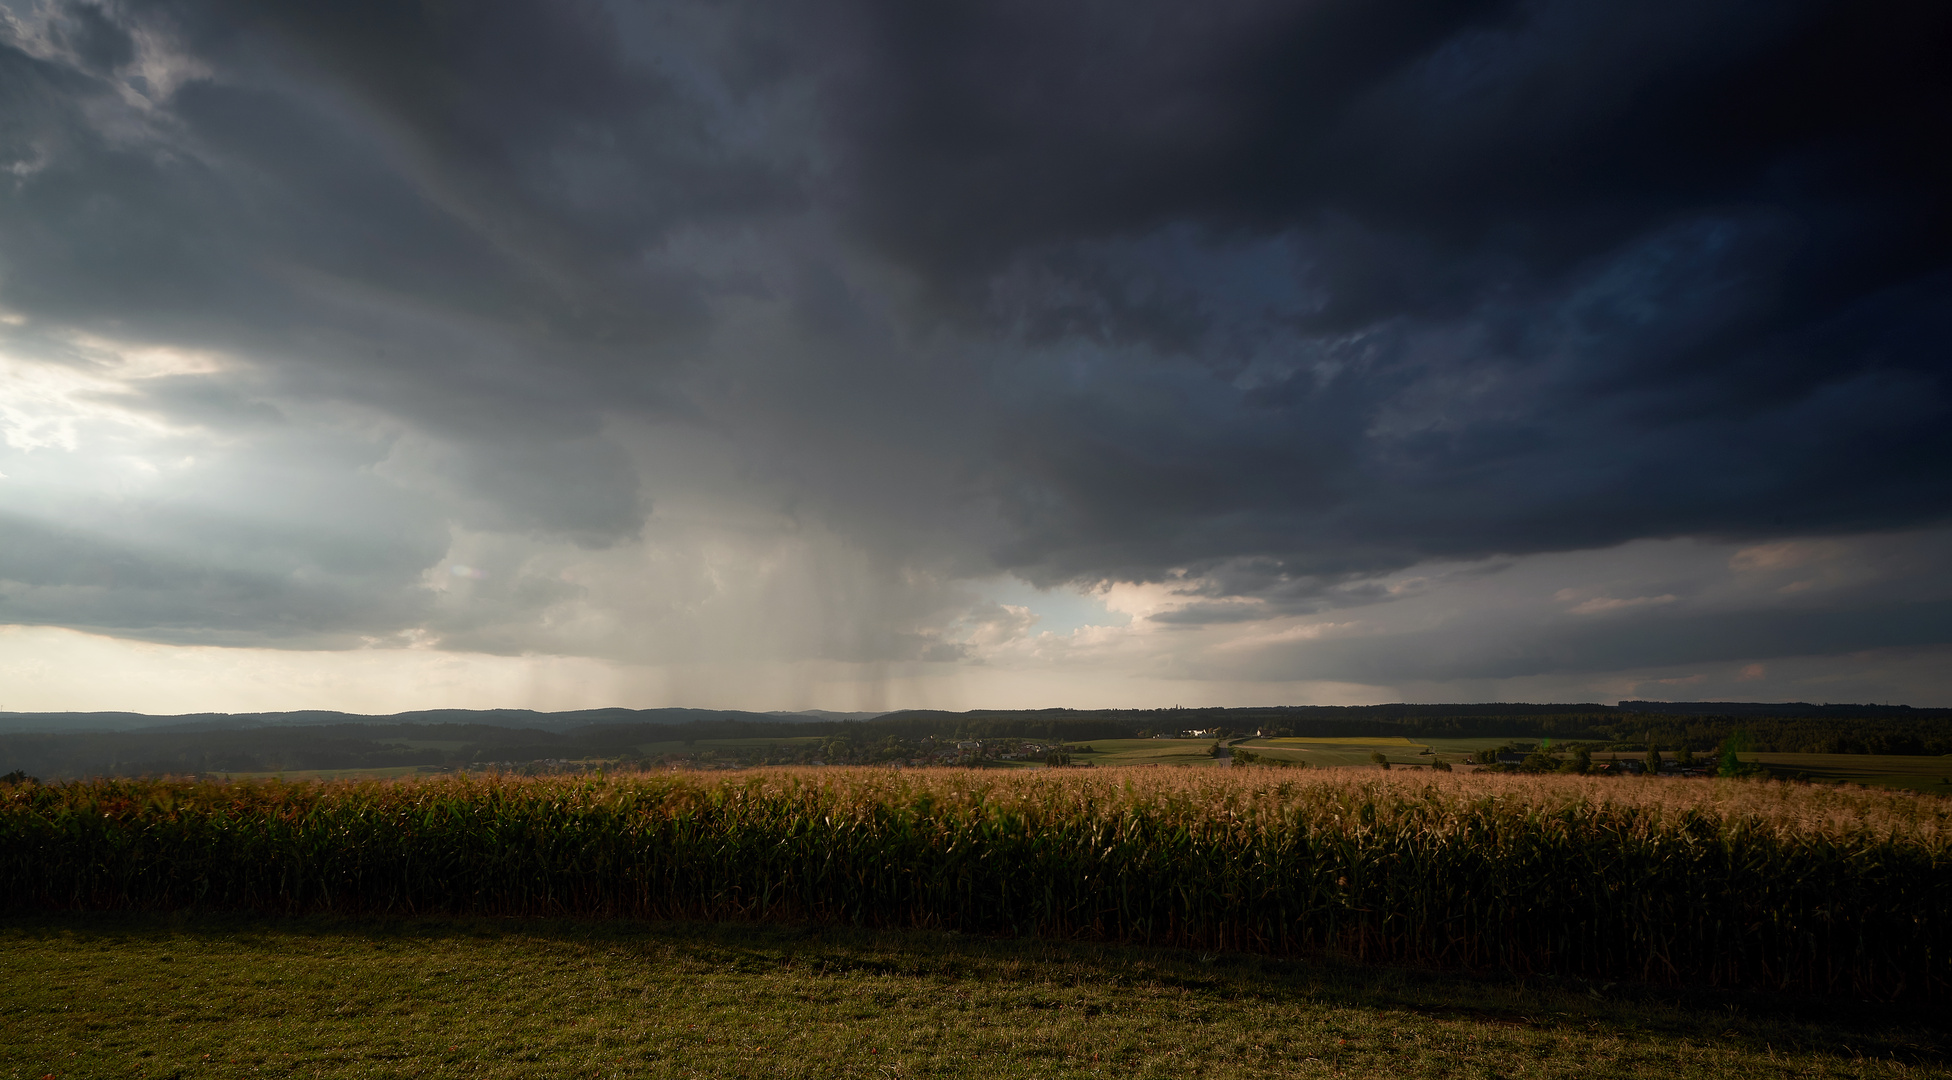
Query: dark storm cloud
[353,213]
[1515,651]
[1541,132]
[1284,294]
[1565,274]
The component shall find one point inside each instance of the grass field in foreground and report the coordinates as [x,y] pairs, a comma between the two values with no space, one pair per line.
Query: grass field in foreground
[155,996]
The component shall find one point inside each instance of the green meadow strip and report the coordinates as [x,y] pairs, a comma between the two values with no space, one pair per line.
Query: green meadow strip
[1732,883]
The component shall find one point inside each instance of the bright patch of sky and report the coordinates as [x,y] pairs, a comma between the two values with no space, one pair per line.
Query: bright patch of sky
[1060,611]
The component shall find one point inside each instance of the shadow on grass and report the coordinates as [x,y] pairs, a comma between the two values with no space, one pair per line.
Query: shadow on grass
[1912,1033]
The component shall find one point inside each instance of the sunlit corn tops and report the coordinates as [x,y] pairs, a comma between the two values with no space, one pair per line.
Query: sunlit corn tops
[1731,882]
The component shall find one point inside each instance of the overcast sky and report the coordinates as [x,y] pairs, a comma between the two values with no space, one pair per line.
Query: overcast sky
[879,354]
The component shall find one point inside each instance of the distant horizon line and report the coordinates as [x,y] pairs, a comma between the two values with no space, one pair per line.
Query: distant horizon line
[1627,705]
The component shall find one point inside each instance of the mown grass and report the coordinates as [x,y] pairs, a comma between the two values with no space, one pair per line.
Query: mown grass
[1726,883]
[216,996]
[1113,752]
[1916,772]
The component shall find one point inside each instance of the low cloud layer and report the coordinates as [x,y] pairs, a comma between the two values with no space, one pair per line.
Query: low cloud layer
[1410,348]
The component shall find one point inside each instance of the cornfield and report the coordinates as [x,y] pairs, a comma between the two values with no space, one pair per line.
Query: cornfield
[1730,883]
